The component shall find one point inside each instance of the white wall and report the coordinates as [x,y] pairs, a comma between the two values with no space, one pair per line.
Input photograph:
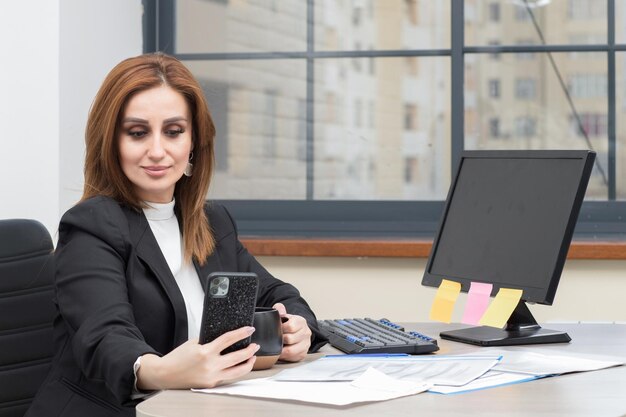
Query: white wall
[94,36]
[55,55]
[29,110]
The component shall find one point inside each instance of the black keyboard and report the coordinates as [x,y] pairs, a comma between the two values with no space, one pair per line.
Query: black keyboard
[375,336]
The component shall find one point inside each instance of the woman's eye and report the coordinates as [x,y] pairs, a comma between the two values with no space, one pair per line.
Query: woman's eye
[174,132]
[137,133]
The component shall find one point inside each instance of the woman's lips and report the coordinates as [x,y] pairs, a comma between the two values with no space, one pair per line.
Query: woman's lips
[155,171]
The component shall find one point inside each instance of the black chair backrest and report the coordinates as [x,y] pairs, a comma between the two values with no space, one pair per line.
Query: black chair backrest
[26,312]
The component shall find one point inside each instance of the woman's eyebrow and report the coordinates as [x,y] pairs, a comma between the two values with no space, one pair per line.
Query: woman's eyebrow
[144,121]
[134,120]
[175,119]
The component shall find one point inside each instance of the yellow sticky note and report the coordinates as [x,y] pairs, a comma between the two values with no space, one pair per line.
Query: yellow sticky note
[444,301]
[501,307]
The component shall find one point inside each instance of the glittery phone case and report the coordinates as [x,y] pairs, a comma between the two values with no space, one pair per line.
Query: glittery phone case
[229,301]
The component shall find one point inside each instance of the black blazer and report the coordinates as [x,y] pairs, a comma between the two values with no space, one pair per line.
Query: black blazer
[117,300]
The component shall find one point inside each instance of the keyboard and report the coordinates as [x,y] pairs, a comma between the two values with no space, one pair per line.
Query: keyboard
[375,336]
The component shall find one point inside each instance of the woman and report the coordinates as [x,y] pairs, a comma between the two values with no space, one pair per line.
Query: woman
[133,254]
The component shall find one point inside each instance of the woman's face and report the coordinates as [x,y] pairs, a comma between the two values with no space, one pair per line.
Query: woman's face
[155,142]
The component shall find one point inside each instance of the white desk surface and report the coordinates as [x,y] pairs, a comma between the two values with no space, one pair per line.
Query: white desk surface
[597,393]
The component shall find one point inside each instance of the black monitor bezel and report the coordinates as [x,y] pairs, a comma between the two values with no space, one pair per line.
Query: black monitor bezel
[535,295]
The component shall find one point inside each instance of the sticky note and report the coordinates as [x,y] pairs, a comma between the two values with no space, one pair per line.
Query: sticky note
[477,302]
[501,307]
[443,304]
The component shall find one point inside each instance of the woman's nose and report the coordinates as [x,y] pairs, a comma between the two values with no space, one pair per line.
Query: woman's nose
[156,150]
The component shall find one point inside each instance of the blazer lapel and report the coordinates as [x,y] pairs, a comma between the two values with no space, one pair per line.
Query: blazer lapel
[149,251]
[212,264]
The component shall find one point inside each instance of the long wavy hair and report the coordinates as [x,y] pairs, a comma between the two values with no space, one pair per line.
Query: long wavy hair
[103,171]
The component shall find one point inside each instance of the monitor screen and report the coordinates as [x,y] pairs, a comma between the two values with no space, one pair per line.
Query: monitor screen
[509,219]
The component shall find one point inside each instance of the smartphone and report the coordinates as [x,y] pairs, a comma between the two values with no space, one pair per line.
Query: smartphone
[229,301]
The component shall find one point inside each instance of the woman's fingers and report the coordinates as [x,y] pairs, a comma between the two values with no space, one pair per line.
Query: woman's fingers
[230,338]
[234,358]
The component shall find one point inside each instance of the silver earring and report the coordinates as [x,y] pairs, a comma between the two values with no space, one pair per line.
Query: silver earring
[189,168]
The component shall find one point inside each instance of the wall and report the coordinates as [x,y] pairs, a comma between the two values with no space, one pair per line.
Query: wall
[391,288]
[55,55]
[29,110]
[94,36]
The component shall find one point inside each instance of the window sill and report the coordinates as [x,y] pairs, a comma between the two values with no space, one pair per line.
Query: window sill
[398,248]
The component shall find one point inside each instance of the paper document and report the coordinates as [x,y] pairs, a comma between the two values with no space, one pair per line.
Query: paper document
[522,366]
[439,370]
[489,380]
[533,363]
[372,385]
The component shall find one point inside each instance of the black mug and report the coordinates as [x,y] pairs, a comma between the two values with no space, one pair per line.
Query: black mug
[268,335]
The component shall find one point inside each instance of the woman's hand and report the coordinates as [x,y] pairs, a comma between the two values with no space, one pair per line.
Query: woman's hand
[192,365]
[296,336]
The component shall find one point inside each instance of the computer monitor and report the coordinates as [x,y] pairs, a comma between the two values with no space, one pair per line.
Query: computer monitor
[508,221]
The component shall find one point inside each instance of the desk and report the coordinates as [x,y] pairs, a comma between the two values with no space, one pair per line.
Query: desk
[599,393]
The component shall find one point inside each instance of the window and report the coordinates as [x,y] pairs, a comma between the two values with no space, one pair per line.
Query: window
[335,118]
[525,88]
[410,170]
[494,56]
[588,85]
[411,11]
[525,56]
[358,113]
[410,117]
[525,127]
[494,128]
[586,9]
[494,12]
[494,88]
[589,124]
[521,13]
[269,126]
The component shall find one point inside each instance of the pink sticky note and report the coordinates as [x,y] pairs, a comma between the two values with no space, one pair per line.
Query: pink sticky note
[477,302]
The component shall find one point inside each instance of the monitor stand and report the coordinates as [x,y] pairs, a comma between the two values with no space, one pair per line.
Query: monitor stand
[521,329]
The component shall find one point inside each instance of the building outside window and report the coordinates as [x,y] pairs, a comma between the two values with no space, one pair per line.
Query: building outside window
[337,97]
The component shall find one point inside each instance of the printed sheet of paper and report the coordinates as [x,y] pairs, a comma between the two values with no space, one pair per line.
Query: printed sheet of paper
[534,363]
[440,369]
[521,366]
[372,385]
[477,302]
[501,308]
[445,298]
[489,380]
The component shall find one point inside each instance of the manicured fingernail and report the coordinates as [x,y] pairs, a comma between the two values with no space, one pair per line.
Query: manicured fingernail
[257,347]
[250,330]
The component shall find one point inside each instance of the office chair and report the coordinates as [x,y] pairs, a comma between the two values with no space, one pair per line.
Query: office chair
[26,312]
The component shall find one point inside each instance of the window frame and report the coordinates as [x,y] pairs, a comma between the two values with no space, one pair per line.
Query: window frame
[336,219]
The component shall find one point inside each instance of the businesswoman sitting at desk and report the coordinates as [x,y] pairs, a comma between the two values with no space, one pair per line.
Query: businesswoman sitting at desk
[133,252]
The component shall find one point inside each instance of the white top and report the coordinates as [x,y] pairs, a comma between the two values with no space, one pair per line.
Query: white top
[164,226]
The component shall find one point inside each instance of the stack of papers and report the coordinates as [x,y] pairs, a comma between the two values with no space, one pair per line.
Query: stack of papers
[372,385]
[347,379]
